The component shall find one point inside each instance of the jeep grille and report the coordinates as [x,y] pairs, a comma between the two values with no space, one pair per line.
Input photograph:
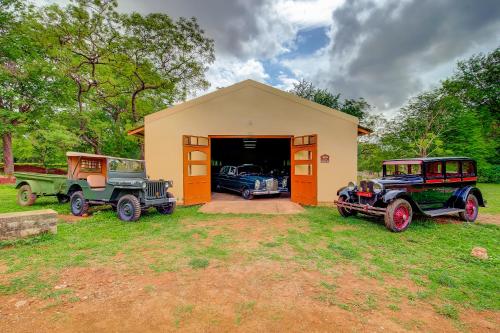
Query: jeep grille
[271,184]
[155,190]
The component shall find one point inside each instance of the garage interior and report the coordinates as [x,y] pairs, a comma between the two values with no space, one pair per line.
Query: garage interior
[272,154]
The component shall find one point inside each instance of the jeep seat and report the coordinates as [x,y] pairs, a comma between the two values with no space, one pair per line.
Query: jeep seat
[96,182]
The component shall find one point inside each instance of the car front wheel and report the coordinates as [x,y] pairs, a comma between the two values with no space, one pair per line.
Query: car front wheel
[128,208]
[247,194]
[398,215]
[79,206]
[471,209]
[345,212]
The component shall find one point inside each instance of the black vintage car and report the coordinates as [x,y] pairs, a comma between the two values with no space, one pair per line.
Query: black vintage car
[428,186]
[247,179]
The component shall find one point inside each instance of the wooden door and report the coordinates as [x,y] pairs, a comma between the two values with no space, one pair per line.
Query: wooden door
[304,170]
[196,156]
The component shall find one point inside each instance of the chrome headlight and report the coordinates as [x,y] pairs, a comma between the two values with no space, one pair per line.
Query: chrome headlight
[377,187]
[351,186]
[169,183]
[257,184]
[144,185]
[284,182]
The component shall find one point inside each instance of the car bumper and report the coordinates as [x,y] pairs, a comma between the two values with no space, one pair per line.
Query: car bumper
[265,192]
[366,209]
[156,202]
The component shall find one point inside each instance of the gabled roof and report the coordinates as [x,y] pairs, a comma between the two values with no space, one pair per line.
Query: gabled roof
[244,84]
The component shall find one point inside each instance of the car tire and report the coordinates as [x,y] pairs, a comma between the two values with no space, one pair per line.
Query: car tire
[129,208]
[345,212]
[471,209]
[62,198]
[79,206]
[247,194]
[25,196]
[398,215]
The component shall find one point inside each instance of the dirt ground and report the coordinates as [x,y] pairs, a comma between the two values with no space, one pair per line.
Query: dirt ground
[236,296]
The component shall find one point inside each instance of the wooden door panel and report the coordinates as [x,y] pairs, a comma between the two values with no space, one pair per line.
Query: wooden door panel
[304,170]
[196,159]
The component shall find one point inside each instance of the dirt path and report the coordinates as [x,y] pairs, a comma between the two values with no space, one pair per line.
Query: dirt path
[237,295]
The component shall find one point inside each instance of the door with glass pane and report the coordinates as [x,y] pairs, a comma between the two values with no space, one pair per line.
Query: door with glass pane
[196,152]
[304,170]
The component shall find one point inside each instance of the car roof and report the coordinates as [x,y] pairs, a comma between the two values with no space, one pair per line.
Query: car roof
[431,159]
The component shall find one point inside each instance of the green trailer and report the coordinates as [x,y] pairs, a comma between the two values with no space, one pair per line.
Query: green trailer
[33,185]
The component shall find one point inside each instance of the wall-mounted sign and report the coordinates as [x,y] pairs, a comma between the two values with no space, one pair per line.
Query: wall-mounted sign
[325,158]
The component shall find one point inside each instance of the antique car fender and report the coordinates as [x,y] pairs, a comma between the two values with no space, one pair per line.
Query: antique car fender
[344,191]
[459,197]
[401,194]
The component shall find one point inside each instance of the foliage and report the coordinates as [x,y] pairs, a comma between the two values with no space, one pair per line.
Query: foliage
[91,74]
[356,107]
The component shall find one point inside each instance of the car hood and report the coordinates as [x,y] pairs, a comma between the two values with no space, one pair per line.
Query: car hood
[257,177]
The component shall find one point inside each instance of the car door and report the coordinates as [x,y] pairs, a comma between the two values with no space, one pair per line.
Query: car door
[433,194]
[232,179]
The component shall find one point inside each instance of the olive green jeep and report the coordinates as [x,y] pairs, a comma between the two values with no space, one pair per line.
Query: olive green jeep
[119,182]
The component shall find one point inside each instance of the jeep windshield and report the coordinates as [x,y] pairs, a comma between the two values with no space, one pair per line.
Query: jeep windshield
[129,166]
[402,168]
[249,170]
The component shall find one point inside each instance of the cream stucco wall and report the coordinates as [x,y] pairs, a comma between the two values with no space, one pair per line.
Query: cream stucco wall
[251,108]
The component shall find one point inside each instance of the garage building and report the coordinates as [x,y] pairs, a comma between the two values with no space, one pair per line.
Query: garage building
[250,122]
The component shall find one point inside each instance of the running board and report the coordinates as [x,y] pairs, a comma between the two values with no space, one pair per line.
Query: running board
[443,211]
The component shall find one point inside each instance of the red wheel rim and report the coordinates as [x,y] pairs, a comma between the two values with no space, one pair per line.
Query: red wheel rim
[401,217]
[470,209]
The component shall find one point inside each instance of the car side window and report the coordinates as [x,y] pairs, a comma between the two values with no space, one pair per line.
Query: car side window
[434,170]
[232,171]
[452,169]
[223,170]
[468,169]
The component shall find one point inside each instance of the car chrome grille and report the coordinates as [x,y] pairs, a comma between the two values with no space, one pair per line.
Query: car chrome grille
[271,184]
[155,190]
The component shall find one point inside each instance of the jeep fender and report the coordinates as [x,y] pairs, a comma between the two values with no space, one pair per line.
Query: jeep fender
[459,197]
[119,192]
[401,194]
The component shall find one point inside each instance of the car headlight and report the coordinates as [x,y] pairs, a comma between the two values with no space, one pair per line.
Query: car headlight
[351,186]
[144,185]
[169,183]
[257,184]
[377,187]
[284,182]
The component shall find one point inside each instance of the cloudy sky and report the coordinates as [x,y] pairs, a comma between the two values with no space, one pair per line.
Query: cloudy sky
[382,50]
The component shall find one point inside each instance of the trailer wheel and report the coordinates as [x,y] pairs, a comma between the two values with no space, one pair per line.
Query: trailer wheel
[471,209]
[25,196]
[129,208]
[398,215]
[79,206]
[345,212]
[167,208]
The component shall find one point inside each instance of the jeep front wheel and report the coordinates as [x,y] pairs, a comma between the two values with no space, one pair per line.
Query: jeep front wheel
[79,206]
[25,196]
[129,208]
[167,208]
[345,212]
[398,215]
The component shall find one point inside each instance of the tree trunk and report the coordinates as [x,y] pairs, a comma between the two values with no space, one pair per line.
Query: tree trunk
[8,157]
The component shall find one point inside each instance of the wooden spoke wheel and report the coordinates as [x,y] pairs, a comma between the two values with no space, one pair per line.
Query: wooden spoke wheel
[398,215]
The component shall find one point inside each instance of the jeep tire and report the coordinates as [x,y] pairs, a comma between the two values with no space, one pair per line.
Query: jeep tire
[79,206]
[25,196]
[398,215]
[129,208]
[167,208]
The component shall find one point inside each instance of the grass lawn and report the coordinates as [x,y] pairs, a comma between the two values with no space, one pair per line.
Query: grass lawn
[433,257]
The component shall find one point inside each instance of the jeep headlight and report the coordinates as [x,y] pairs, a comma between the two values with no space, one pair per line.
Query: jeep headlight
[351,186]
[144,185]
[257,184]
[377,187]
[169,183]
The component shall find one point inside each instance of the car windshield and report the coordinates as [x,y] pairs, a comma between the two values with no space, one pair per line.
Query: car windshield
[399,169]
[119,165]
[249,169]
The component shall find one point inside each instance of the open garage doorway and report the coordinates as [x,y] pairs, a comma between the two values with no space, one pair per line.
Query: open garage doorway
[253,167]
